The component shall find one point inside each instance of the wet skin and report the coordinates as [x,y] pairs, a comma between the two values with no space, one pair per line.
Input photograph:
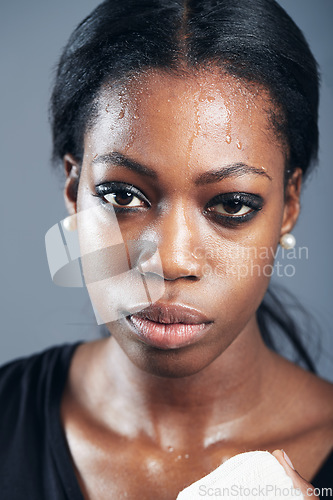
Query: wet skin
[182,130]
[168,415]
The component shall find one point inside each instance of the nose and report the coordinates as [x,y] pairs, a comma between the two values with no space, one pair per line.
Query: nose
[178,244]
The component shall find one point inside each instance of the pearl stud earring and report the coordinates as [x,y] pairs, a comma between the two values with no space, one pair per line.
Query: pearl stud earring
[288,241]
[70,223]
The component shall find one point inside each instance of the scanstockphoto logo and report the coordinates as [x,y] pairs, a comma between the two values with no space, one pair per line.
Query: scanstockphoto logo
[239,491]
[284,264]
[267,491]
[243,262]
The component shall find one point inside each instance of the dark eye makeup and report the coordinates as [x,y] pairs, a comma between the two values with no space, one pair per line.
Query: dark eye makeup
[234,208]
[229,209]
[124,198]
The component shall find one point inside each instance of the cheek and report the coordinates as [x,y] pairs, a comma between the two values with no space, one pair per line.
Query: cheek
[114,281]
[238,272]
[245,263]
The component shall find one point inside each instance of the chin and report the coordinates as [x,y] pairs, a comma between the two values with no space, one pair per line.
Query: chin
[172,363]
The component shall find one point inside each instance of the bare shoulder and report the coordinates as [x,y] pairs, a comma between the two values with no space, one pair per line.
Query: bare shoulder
[315,443]
[305,416]
[319,393]
[307,398]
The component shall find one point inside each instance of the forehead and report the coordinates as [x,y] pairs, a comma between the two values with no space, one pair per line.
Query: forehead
[189,119]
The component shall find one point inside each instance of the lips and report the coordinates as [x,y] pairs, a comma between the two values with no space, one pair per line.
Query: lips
[168,326]
[173,314]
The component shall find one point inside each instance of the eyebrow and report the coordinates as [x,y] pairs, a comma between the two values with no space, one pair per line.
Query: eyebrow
[123,161]
[232,170]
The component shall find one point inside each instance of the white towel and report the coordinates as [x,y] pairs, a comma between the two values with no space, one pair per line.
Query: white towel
[251,475]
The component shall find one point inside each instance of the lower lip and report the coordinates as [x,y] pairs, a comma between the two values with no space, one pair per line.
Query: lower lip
[167,335]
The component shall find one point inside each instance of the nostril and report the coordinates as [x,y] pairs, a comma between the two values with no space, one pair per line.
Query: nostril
[179,264]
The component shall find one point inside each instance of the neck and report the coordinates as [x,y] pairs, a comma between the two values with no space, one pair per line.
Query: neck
[209,405]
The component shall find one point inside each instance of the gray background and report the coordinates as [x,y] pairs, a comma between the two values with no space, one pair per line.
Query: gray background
[35,313]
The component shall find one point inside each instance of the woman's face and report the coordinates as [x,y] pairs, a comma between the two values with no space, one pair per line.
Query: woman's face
[192,165]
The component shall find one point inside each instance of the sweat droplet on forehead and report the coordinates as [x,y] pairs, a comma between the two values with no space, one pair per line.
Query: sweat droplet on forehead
[183,121]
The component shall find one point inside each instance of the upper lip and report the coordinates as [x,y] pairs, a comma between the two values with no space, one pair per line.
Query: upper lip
[172,313]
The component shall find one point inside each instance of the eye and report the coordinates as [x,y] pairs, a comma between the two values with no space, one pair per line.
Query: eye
[121,196]
[232,208]
[237,206]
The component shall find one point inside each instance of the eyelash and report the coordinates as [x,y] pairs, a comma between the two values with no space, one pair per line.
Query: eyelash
[252,201]
[115,188]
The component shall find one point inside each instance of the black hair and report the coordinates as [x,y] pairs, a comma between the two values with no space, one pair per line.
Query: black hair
[254,40]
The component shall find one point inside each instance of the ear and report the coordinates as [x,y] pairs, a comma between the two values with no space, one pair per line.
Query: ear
[292,202]
[72,171]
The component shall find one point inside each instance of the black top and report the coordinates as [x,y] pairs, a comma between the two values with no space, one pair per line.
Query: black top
[35,462]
